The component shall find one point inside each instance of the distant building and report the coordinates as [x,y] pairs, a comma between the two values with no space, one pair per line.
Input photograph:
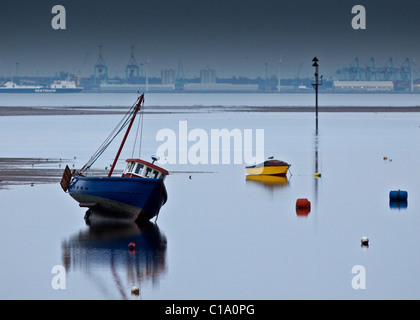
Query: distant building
[220,87]
[363,86]
[133,88]
[208,76]
[168,76]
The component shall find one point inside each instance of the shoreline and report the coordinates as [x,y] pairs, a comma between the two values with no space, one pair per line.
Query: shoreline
[108,110]
[32,171]
[16,171]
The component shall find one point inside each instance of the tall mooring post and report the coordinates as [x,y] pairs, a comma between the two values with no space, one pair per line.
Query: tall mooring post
[317,82]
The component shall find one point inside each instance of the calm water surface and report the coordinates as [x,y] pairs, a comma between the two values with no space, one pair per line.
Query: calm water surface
[221,236]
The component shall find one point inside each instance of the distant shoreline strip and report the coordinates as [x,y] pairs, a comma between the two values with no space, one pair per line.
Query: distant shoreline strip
[104,110]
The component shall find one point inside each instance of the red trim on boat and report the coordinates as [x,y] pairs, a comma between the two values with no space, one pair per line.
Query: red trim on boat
[151,165]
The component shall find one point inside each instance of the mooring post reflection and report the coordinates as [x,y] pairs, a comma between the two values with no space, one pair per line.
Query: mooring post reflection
[129,253]
[317,174]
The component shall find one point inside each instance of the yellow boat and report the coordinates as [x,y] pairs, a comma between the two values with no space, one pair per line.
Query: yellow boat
[269,167]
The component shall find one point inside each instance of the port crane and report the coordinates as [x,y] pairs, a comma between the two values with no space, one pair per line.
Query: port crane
[132,67]
[100,68]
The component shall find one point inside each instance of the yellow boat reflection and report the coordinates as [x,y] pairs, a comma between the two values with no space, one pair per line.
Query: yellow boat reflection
[268,180]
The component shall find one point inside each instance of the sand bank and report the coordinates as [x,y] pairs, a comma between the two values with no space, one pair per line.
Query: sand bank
[47,111]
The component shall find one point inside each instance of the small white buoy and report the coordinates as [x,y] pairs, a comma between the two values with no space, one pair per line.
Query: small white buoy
[135,291]
[365,241]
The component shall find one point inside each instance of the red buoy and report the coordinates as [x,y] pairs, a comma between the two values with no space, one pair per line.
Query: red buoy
[303,207]
[132,247]
[303,203]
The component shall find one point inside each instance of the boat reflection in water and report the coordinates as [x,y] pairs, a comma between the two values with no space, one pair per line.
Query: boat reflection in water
[303,212]
[268,181]
[398,204]
[126,252]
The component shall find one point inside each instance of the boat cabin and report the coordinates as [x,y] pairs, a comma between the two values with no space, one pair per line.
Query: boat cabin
[143,169]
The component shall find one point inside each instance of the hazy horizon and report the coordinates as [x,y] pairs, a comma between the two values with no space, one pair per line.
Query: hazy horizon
[236,38]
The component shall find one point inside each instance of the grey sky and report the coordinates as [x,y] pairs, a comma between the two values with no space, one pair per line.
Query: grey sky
[234,37]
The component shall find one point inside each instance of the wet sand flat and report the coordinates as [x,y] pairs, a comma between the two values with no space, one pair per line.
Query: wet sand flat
[18,171]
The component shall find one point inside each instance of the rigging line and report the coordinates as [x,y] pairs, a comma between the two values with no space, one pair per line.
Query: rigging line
[102,149]
[140,124]
[141,129]
[135,140]
[121,121]
[124,121]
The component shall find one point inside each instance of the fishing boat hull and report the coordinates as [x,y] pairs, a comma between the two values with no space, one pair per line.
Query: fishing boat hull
[270,167]
[136,199]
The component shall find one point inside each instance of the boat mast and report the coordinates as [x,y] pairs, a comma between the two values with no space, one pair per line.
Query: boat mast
[139,101]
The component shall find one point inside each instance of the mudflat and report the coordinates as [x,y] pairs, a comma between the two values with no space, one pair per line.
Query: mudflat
[46,111]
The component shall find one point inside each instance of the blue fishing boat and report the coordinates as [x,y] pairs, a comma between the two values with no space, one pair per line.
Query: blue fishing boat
[138,194]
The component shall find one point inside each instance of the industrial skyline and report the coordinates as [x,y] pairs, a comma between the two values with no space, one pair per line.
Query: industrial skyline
[236,38]
[357,69]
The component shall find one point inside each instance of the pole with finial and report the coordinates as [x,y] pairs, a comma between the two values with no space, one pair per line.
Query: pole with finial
[315,84]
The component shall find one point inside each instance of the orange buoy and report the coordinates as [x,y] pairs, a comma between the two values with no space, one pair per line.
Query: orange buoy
[303,212]
[303,207]
[303,203]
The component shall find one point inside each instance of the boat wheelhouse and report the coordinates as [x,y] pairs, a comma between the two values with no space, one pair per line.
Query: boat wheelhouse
[144,169]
